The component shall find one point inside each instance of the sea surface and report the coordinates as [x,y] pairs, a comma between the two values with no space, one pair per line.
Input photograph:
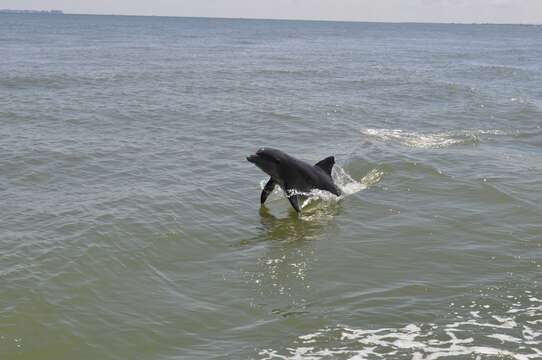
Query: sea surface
[130,223]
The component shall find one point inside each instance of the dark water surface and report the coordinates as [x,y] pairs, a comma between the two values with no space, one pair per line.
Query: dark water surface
[130,220]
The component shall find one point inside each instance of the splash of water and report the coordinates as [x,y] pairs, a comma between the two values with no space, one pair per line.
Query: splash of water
[341,178]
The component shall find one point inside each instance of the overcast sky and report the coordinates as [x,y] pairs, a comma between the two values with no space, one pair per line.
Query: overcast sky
[465,11]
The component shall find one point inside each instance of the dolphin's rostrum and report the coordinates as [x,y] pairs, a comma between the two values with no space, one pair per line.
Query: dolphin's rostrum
[292,175]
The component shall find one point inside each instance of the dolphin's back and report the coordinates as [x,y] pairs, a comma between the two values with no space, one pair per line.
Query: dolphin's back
[303,177]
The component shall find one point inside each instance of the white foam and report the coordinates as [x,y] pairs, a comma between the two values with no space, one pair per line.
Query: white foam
[474,337]
[420,140]
[345,182]
[504,337]
[530,334]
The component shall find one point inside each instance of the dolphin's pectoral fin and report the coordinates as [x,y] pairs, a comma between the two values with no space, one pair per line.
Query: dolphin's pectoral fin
[267,189]
[326,164]
[294,200]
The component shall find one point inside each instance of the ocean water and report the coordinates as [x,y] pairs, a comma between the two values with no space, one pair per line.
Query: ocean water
[130,223]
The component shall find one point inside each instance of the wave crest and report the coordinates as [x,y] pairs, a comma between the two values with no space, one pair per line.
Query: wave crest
[420,140]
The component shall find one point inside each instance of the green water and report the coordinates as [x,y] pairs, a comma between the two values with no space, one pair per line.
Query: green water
[130,220]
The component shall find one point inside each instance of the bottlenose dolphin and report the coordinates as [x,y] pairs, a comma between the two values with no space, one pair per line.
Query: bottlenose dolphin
[292,175]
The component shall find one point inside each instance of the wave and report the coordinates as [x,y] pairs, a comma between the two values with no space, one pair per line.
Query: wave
[437,140]
[514,335]
[484,71]
[279,115]
[55,81]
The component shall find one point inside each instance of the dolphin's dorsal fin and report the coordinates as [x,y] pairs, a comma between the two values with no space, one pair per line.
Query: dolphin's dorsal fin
[268,189]
[326,164]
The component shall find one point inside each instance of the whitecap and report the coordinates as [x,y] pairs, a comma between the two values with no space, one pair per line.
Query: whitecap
[434,140]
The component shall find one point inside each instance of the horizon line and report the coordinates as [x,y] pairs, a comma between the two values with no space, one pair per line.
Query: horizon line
[284,19]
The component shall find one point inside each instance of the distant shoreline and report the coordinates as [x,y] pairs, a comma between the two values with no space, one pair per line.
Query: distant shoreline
[60,12]
[51,12]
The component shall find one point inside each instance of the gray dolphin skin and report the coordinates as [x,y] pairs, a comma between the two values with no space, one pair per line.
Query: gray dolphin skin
[293,175]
